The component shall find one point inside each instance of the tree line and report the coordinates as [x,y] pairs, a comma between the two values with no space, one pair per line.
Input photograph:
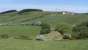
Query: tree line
[79,31]
[21,11]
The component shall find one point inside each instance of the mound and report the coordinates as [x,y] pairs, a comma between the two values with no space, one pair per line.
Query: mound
[53,35]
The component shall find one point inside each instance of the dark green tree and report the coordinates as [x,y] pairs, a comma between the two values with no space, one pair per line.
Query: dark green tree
[81,30]
[63,28]
[45,28]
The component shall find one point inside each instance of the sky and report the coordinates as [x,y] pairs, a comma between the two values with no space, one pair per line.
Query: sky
[47,5]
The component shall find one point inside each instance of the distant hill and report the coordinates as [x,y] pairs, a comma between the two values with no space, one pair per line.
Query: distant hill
[32,16]
[9,11]
[28,10]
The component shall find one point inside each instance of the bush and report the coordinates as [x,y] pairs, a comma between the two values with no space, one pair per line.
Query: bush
[63,28]
[45,28]
[22,37]
[80,31]
[4,36]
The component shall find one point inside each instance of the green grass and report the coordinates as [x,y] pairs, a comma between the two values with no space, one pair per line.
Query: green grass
[30,31]
[13,44]
[51,18]
[69,19]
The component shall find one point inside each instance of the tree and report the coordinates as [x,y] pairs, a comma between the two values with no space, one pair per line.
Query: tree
[45,28]
[63,28]
[80,30]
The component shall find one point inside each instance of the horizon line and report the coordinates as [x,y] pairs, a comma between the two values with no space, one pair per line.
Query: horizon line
[50,10]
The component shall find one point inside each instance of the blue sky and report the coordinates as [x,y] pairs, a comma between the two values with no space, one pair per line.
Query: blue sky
[51,5]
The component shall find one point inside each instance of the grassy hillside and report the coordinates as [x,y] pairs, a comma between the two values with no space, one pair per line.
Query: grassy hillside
[49,17]
[13,31]
[52,18]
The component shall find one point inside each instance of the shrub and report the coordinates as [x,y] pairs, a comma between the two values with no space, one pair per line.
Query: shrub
[63,28]
[4,36]
[80,31]
[45,28]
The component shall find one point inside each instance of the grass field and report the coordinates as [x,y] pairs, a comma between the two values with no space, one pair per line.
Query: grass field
[32,31]
[51,18]
[14,44]
[12,31]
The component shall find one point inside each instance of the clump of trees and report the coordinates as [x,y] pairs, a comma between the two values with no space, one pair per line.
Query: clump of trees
[28,10]
[80,31]
[9,11]
[63,28]
[45,28]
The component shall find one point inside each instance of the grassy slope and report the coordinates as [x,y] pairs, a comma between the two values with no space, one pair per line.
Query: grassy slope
[52,18]
[70,19]
[16,18]
[30,31]
[12,44]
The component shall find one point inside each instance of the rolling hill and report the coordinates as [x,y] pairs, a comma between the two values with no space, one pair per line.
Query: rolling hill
[50,17]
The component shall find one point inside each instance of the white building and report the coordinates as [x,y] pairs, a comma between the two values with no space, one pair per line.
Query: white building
[66,12]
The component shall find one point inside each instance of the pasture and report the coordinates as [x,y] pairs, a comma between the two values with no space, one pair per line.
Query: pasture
[14,44]
[12,31]
[32,31]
